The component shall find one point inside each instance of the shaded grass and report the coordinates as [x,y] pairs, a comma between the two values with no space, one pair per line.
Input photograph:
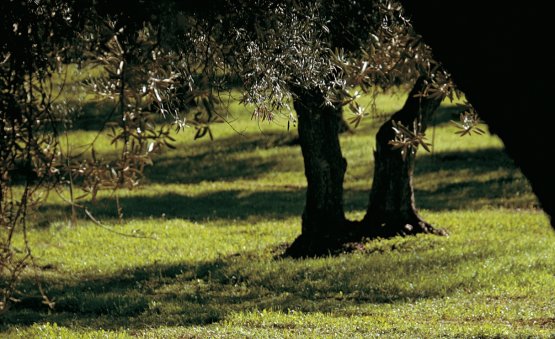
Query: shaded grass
[203,279]
[215,215]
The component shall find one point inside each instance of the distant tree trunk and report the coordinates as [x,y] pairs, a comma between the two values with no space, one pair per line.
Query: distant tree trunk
[496,55]
[323,220]
[391,209]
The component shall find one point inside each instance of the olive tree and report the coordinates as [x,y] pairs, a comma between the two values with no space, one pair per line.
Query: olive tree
[166,56]
[320,54]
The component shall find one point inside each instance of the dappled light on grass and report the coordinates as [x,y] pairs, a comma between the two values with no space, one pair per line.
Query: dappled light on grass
[218,214]
[260,174]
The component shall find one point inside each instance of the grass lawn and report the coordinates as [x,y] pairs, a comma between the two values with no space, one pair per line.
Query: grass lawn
[215,215]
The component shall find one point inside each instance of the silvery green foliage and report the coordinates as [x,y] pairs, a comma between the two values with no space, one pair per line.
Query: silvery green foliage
[138,80]
[291,52]
[341,48]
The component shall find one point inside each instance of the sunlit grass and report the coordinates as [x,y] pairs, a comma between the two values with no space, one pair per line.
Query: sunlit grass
[199,258]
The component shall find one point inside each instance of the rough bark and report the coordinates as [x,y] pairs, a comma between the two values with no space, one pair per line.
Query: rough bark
[323,220]
[391,208]
[496,55]
[343,127]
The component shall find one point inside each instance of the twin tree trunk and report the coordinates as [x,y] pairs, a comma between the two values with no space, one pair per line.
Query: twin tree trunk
[391,209]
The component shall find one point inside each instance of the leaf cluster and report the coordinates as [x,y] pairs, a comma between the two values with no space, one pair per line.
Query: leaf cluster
[408,140]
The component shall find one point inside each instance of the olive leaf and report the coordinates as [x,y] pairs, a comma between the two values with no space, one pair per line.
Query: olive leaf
[408,140]
[469,121]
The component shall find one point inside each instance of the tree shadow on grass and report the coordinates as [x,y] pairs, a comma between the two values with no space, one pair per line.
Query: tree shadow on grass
[228,205]
[224,159]
[196,293]
[484,178]
[503,192]
[94,115]
[507,190]
[207,167]
[478,161]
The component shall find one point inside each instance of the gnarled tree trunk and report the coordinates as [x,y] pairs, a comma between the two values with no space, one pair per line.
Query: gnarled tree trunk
[323,220]
[391,208]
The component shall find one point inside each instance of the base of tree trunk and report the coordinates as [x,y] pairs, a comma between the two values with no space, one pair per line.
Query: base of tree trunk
[323,216]
[318,245]
[391,207]
[388,229]
[355,234]
[305,247]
